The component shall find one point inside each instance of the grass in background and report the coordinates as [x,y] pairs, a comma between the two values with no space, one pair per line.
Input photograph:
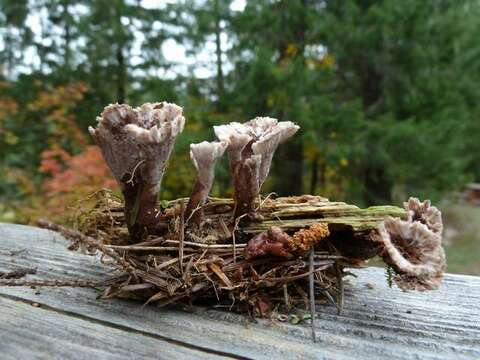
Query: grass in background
[462,238]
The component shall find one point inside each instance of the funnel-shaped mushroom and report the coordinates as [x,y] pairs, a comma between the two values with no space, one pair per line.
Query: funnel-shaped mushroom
[204,156]
[136,144]
[413,248]
[425,213]
[250,148]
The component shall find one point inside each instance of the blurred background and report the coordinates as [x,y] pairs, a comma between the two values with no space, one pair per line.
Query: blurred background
[386,93]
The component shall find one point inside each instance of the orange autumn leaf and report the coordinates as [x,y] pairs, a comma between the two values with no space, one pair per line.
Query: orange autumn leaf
[86,171]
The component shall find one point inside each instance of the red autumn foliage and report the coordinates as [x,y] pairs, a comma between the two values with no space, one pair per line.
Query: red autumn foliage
[85,172]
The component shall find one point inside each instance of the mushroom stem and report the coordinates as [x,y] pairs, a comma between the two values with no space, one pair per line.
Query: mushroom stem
[204,156]
[245,183]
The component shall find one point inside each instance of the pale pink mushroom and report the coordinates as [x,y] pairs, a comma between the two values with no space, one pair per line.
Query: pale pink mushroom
[204,156]
[413,247]
[250,149]
[136,144]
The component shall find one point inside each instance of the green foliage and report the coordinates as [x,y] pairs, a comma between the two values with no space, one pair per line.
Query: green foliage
[389,274]
[385,92]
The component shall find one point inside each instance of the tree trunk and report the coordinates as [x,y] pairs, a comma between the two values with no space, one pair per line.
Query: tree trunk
[290,157]
[121,75]
[377,185]
[314,178]
[218,52]
[67,35]
[289,168]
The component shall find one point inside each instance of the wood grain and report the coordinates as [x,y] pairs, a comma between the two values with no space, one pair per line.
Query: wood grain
[29,332]
[377,322]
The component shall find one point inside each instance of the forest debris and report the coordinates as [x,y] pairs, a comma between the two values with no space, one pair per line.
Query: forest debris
[225,274]
[261,274]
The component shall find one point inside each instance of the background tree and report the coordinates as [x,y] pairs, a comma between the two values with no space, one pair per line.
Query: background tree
[385,91]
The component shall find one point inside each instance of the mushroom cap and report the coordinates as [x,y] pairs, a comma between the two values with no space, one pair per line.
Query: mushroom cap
[151,122]
[259,129]
[414,251]
[425,213]
[206,152]
[130,136]
[259,136]
[157,122]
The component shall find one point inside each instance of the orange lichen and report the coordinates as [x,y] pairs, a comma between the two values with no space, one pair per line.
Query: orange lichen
[306,238]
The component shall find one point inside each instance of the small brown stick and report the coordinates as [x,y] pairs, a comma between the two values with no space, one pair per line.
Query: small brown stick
[188,269]
[293,277]
[169,263]
[312,291]
[302,294]
[194,211]
[150,242]
[200,258]
[235,227]
[221,275]
[17,273]
[52,282]
[340,288]
[206,246]
[80,238]
[285,296]
[224,227]
[147,248]
[181,236]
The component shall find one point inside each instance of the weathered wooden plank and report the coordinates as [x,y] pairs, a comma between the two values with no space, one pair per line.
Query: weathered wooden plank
[28,332]
[377,322]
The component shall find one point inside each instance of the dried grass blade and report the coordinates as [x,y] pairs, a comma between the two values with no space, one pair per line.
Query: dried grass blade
[226,281]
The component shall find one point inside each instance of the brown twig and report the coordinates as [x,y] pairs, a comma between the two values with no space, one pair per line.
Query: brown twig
[181,236]
[52,282]
[17,273]
[312,291]
[90,242]
[339,275]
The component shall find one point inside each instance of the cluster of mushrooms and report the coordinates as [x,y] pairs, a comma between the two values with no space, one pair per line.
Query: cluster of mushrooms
[136,143]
